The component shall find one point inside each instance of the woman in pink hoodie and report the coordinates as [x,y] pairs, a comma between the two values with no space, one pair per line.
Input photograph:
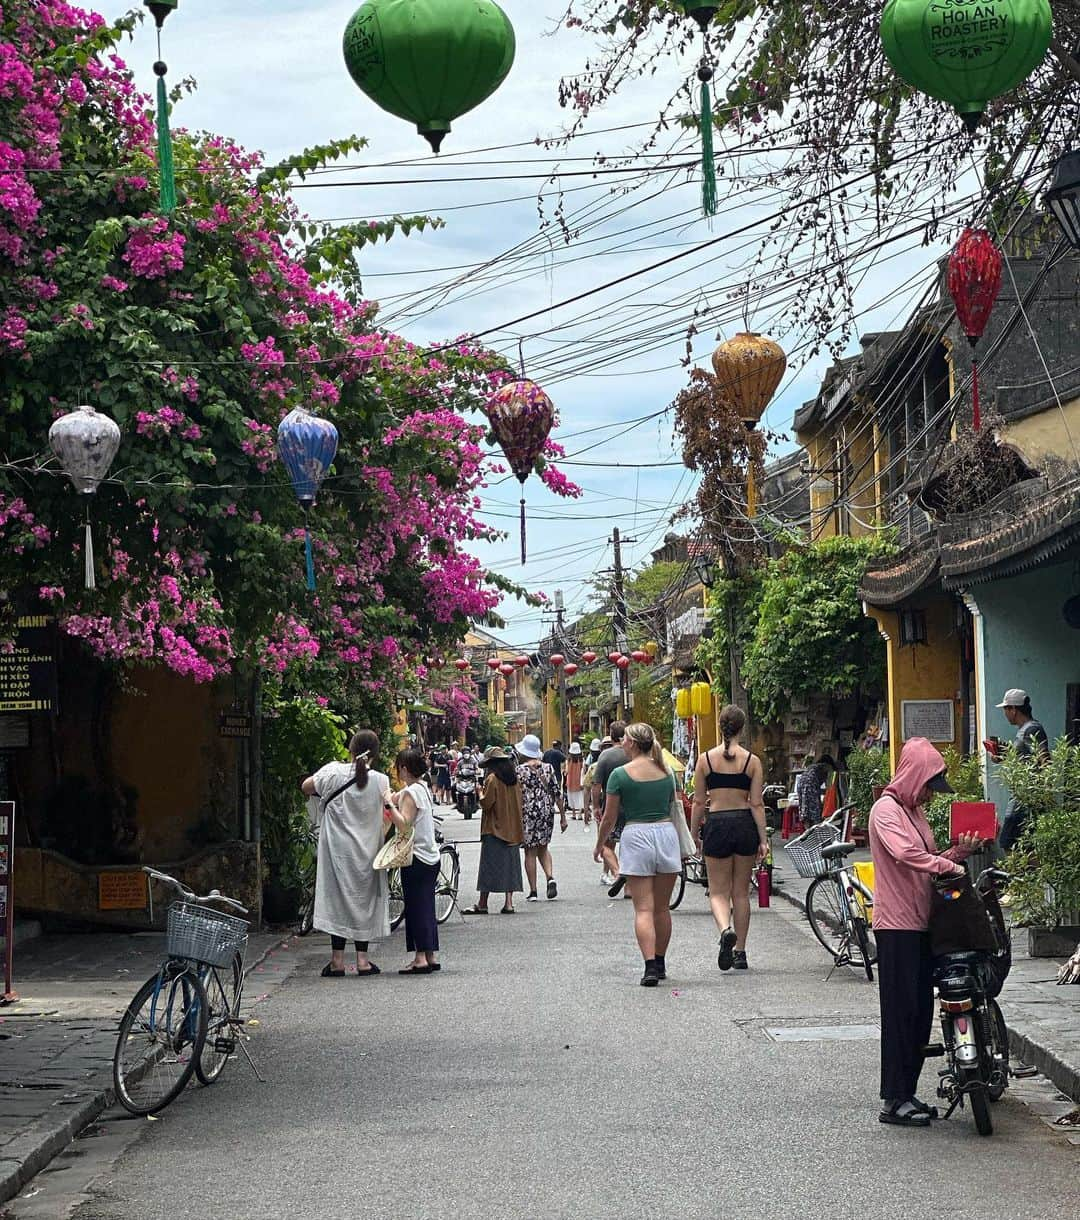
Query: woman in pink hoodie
[905,859]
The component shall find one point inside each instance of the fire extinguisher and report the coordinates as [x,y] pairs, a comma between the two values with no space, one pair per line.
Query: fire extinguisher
[764,886]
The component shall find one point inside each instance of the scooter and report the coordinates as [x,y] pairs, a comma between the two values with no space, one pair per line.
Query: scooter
[975,1040]
[466,796]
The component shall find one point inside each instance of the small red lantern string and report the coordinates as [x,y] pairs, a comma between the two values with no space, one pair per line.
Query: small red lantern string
[974,280]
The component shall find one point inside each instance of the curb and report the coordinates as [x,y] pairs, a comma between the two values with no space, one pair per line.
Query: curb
[1022,1045]
[33,1151]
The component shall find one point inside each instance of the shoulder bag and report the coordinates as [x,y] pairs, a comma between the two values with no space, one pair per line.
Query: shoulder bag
[687,846]
[397,851]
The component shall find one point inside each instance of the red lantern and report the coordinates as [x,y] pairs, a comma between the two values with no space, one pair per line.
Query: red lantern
[506,669]
[461,665]
[613,657]
[493,663]
[588,656]
[974,280]
[556,659]
[570,669]
[521,662]
[623,663]
[639,656]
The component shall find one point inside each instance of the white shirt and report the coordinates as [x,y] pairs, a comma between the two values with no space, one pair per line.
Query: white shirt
[425,848]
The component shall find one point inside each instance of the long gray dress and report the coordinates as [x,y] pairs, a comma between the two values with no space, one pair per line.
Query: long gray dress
[350,896]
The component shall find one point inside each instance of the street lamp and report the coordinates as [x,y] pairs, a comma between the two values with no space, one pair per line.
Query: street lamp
[1063,197]
[705,567]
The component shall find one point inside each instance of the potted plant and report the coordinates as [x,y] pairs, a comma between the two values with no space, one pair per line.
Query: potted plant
[868,772]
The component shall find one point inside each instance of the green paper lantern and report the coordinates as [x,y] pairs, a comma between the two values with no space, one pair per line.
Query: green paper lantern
[963,52]
[429,61]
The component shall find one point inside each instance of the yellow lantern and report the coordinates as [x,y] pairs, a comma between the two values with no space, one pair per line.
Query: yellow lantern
[701,698]
[749,368]
[652,648]
[682,703]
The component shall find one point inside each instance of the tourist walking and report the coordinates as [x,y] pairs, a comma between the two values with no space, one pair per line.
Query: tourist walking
[905,859]
[612,755]
[440,761]
[412,808]
[351,900]
[501,833]
[641,792]
[728,824]
[541,797]
[575,786]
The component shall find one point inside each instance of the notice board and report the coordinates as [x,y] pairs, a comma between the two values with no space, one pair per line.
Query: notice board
[28,672]
[929,718]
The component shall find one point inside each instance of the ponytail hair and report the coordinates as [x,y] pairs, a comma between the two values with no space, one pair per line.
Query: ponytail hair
[364,747]
[644,738]
[732,723]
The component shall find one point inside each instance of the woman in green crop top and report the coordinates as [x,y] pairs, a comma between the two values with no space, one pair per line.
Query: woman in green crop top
[640,793]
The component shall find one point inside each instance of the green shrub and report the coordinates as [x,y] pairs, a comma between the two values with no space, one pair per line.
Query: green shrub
[867,770]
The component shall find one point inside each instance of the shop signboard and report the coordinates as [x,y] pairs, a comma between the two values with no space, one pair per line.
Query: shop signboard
[7,898]
[28,671]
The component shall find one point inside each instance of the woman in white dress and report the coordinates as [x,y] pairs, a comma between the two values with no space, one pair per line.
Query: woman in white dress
[350,896]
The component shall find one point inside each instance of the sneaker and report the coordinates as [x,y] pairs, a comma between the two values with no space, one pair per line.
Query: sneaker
[651,977]
[661,967]
[738,960]
[532,897]
[605,878]
[552,889]
[725,957]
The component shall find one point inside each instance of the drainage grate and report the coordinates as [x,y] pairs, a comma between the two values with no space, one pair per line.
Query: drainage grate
[822,1033]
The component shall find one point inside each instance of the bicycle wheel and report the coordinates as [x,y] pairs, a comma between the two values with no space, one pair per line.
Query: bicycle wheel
[827,913]
[307,916]
[679,890]
[397,899]
[161,1037]
[865,942]
[223,989]
[446,884]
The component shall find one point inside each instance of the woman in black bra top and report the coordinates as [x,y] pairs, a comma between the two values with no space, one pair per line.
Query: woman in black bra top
[728,825]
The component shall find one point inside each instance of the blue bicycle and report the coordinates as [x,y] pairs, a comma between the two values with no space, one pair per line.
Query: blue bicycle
[185,1019]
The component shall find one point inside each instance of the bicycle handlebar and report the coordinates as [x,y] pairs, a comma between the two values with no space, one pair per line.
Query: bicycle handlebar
[190,895]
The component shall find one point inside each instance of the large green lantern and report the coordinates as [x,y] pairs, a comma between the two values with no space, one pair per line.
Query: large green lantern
[429,61]
[964,52]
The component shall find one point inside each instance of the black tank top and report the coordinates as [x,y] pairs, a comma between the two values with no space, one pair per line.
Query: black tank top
[727,779]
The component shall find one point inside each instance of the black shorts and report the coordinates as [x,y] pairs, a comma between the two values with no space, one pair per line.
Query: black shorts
[730,833]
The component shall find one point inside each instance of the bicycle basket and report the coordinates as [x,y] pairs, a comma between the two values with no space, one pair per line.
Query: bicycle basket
[201,935]
[805,851]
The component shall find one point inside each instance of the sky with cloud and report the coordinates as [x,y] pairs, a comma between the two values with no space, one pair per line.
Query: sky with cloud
[528,229]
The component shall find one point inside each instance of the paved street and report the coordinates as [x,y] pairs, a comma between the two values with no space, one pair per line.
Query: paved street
[533,1077]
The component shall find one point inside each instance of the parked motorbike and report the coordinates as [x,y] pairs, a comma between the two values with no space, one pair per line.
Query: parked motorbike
[975,1040]
[466,789]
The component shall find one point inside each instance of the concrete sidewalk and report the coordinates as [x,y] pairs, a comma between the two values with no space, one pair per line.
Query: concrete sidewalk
[1043,1018]
[57,1041]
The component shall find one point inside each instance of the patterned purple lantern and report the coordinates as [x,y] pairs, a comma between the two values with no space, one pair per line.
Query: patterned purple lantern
[307,446]
[521,416]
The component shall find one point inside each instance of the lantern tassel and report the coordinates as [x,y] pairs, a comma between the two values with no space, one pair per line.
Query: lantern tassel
[976,414]
[166,178]
[708,163]
[523,530]
[88,553]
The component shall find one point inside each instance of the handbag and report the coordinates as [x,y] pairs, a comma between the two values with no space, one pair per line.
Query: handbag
[959,922]
[687,846]
[396,852]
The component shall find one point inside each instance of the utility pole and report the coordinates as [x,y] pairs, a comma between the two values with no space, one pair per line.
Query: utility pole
[620,617]
[564,711]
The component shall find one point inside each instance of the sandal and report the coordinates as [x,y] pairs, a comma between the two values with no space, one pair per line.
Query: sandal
[904,1114]
[923,1108]
[474,910]
[328,972]
[372,969]
[507,911]
[416,970]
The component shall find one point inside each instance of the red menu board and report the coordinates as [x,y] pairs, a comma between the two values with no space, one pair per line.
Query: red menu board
[7,900]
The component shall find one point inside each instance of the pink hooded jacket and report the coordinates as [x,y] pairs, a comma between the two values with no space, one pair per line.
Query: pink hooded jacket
[902,844]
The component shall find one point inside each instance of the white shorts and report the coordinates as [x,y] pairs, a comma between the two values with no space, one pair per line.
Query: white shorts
[575,800]
[648,848]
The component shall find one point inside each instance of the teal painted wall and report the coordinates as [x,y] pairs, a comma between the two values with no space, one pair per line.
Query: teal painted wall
[1029,645]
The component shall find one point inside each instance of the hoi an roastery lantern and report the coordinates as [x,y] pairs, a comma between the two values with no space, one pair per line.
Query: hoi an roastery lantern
[307,446]
[974,280]
[521,416]
[429,61]
[966,52]
[86,442]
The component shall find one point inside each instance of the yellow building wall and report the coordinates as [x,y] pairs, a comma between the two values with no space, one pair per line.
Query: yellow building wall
[923,671]
[819,450]
[1047,434]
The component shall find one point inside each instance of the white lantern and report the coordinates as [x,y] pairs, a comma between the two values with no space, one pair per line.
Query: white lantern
[86,442]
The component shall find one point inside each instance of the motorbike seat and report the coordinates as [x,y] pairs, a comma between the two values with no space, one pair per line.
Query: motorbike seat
[835,851]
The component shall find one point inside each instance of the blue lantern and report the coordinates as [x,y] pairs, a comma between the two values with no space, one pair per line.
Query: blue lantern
[307,446]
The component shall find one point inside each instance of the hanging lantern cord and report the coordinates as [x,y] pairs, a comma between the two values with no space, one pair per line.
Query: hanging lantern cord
[708,162]
[166,178]
[976,413]
[88,552]
[309,557]
[522,506]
